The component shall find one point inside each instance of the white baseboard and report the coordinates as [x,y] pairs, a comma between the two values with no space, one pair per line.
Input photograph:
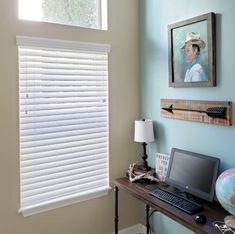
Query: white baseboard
[136,229]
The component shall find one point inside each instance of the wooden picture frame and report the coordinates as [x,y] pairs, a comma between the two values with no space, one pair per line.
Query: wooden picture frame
[191,52]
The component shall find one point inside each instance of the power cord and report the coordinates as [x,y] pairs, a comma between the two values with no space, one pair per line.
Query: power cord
[152,212]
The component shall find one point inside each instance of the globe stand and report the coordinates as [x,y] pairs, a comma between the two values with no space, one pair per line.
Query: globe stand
[230,221]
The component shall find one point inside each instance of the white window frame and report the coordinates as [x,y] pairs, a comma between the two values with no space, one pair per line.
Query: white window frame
[29,209]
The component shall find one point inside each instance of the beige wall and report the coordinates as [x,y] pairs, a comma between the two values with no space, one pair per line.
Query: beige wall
[94,216]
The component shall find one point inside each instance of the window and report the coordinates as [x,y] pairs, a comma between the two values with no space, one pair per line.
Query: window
[83,13]
[63,99]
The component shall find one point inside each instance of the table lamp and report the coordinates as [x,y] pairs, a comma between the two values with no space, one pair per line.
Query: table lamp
[144,134]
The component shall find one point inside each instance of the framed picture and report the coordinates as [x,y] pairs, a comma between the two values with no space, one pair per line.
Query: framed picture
[191,52]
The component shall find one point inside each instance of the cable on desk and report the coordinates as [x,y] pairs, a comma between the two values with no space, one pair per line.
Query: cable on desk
[225,229]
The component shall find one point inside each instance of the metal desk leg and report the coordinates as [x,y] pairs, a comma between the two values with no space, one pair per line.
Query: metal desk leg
[116,209]
[147,219]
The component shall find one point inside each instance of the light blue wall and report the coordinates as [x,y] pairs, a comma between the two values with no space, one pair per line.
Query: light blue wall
[214,140]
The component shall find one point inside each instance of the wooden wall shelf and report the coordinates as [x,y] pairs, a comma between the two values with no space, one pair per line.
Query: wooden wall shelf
[212,112]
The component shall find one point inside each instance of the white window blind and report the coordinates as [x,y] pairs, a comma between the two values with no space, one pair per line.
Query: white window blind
[63,99]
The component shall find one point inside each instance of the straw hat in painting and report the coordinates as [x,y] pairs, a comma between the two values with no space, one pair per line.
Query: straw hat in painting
[194,39]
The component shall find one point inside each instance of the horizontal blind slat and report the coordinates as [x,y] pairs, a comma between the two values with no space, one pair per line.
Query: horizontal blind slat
[61,122]
[60,53]
[52,77]
[62,72]
[63,140]
[81,158]
[62,83]
[59,172]
[28,67]
[51,150]
[61,128]
[28,99]
[49,106]
[26,180]
[59,180]
[64,116]
[59,165]
[70,154]
[62,134]
[26,95]
[68,113]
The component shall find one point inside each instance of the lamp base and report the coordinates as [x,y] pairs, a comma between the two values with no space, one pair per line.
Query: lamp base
[145,165]
[230,221]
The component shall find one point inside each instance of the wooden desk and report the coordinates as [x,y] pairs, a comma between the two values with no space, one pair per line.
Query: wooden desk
[213,212]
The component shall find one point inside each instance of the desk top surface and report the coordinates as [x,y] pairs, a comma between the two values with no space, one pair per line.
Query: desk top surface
[213,211]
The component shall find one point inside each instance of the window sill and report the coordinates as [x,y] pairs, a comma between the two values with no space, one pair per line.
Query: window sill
[65,201]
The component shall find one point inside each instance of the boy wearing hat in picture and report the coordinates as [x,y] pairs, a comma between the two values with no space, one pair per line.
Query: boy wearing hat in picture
[192,46]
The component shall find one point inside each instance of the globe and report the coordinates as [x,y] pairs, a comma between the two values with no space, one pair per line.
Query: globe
[225,192]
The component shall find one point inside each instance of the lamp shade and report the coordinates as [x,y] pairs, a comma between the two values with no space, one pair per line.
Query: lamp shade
[144,131]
